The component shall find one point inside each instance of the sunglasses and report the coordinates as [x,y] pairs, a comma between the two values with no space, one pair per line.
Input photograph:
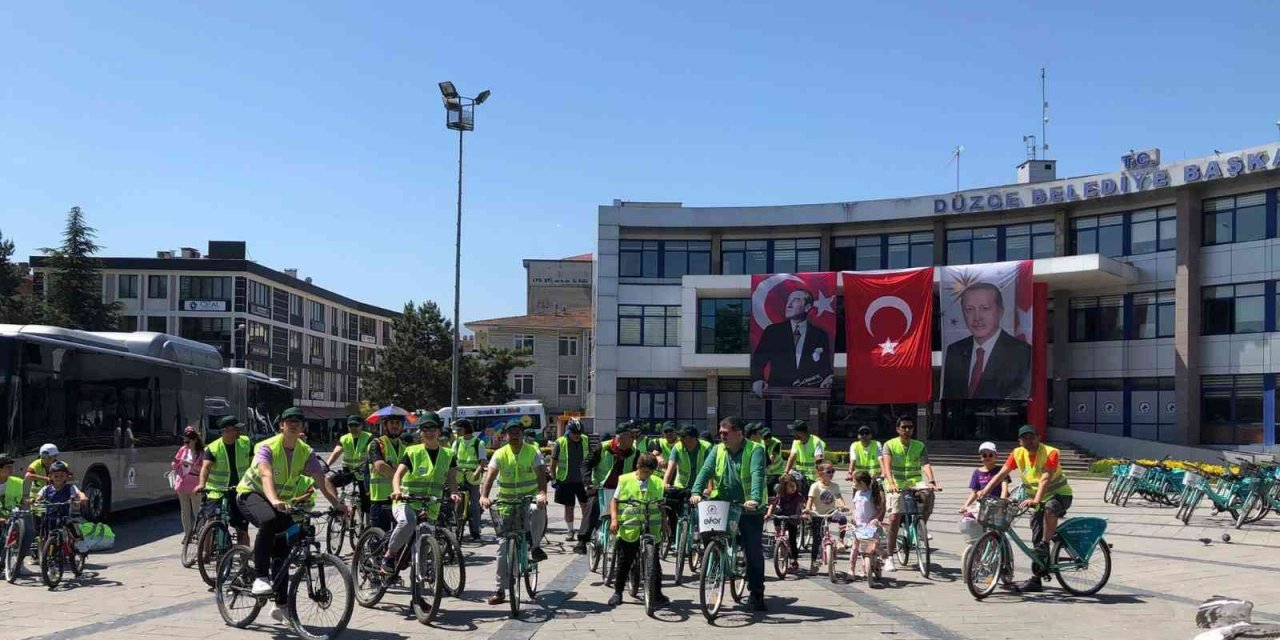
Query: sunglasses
[987,454]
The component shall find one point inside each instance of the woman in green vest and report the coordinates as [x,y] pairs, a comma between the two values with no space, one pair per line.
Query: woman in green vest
[427,469]
[268,486]
[520,472]
[471,454]
[625,522]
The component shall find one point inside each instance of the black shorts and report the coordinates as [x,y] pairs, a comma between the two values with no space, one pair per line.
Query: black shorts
[238,521]
[1058,505]
[567,493]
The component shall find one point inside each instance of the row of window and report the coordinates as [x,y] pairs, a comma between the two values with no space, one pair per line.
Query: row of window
[568,345]
[1135,316]
[566,384]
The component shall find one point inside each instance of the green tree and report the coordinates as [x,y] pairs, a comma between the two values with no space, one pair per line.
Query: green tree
[484,375]
[17,307]
[74,287]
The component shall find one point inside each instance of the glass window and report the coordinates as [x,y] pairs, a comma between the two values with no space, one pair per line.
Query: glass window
[1152,315]
[738,257]
[259,298]
[1029,241]
[522,343]
[685,257]
[522,384]
[568,345]
[1097,319]
[1238,308]
[317,316]
[909,250]
[1231,409]
[724,325]
[657,399]
[568,385]
[649,325]
[157,287]
[1152,230]
[638,258]
[157,324]
[1099,234]
[213,331]
[128,286]
[1235,218]
[127,323]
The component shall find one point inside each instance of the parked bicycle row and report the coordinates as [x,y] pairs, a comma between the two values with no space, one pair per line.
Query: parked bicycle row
[1245,491]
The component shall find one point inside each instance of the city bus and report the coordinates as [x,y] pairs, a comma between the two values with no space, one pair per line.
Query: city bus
[489,420]
[116,404]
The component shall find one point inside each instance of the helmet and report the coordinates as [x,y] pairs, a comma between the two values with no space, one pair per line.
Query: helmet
[59,466]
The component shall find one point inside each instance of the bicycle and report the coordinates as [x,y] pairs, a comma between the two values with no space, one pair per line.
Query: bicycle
[826,542]
[783,564]
[15,529]
[513,533]
[913,533]
[721,557]
[214,538]
[1074,546]
[422,555]
[191,541]
[601,548]
[1158,483]
[341,529]
[452,561]
[321,573]
[684,543]
[1225,494]
[642,574]
[1256,496]
[873,561]
[58,538]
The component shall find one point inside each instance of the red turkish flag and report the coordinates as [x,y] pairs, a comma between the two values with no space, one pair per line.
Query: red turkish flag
[888,320]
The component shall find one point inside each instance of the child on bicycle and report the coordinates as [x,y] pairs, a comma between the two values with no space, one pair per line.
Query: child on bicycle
[824,498]
[60,490]
[788,501]
[868,513]
[642,485]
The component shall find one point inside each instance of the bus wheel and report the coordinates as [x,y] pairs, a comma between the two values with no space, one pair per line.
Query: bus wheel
[97,487]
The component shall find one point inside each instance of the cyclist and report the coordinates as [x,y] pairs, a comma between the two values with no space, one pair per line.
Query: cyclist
[520,472]
[268,485]
[864,454]
[1038,463]
[353,448]
[385,454]
[471,454]
[60,489]
[13,495]
[806,452]
[427,469]
[736,466]
[788,502]
[905,465]
[614,458]
[225,459]
[568,453]
[686,459]
[642,485]
[777,462]
[824,498]
[662,447]
[38,470]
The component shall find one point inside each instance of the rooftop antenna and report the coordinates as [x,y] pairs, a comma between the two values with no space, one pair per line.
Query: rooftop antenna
[1044,116]
[1030,141]
[955,157]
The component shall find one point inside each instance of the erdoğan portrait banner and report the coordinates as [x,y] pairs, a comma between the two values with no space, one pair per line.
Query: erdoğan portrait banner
[987,331]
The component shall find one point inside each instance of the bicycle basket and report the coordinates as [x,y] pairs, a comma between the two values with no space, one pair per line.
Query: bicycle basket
[997,514]
[1191,479]
[1137,471]
[716,517]
[910,505]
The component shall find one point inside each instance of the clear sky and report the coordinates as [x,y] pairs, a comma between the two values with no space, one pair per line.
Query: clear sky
[314,130]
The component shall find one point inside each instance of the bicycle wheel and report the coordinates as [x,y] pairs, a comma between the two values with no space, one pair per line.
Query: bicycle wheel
[805,537]
[1109,491]
[829,557]
[1086,580]
[78,560]
[923,552]
[647,553]
[781,559]
[904,543]
[513,575]
[51,561]
[215,539]
[13,550]
[636,577]
[711,584]
[610,562]
[531,578]
[426,583]
[320,597]
[460,513]
[190,544]
[738,579]
[1252,509]
[370,584]
[453,565]
[682,549]
[1130,488]
[236,604]
[595,552]
[335,533]
[982,568]
[1192,502]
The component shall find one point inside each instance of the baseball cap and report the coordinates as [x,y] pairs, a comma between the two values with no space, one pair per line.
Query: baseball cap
[987,446]
[514,423]
[354,419]
[689,431]
[799,425]
[229,422]
[752,428]
[1027,430]
[292,412]
[430,419]
[765,432]
[668,426]
[864,429]
[49,449]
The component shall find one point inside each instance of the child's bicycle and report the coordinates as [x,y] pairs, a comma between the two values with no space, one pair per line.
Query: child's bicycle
[868,545]
[642,574]
[15,530]
[827,551]
[783,564]
[1079,557]
[58,537]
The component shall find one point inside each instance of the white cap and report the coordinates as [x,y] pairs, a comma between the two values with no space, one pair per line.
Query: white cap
[987,446]
[49,449]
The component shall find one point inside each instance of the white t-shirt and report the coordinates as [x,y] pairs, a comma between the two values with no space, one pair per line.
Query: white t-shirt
[864,508]
[537,461]
[824,498]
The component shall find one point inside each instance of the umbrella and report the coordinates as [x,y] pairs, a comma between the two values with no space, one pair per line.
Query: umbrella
[389,410]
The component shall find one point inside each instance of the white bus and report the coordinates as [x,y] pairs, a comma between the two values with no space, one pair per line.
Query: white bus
[116,405]
[489,420]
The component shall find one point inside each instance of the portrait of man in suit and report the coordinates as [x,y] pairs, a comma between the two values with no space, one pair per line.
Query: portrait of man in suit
[989,363]
[797,353]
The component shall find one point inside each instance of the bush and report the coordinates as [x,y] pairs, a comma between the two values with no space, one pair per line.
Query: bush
[1105,465]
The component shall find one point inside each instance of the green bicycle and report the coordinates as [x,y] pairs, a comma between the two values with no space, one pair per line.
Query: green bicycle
[913,534]
[684,543]
[722,560]
[511,524]
[1079,557]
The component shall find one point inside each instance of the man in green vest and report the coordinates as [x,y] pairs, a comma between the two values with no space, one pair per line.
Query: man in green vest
[520,472]
[806,452]
[568,453]
[615,457]
[472,455]
[266,489]
[427,469]
[776,461]
[686,460]
[662,446]
[1042,473]
[13,495]
[864,454]
[385,454]
[904,462]
[38,471]
[737,468]
[225,460]
[626,521]
[353,449]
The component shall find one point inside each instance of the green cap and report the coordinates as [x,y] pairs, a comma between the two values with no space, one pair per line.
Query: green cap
[292,412]
[668,426]
[766,433]
[514,423]
[354,419]
[429,419]
[1027,430]
[752,428]
[689,431]
[799,425]
[228,421]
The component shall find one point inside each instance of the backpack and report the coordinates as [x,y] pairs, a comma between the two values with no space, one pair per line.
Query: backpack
[95,536]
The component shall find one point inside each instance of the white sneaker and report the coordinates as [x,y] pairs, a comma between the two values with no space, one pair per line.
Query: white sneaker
[262,587]
[889,565]
[278,614]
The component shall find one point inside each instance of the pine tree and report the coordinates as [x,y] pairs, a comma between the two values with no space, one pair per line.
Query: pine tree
[17,307]
[74,286]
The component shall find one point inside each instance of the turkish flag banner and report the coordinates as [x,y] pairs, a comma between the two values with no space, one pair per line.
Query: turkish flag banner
[888,320]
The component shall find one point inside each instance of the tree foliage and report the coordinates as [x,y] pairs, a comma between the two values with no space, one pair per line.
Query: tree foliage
[415,369]
[74,287]
[17,307]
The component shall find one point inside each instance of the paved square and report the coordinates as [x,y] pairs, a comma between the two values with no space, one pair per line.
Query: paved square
[1161,571]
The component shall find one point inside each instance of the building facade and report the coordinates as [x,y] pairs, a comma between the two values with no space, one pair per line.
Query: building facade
[257,317]
[1162,285]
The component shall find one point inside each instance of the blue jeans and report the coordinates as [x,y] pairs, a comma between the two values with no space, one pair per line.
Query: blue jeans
[750,538]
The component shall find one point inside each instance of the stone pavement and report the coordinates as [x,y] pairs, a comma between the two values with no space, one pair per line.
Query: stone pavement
[1161,571]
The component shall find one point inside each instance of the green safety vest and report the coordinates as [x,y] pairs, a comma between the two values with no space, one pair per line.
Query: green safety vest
[467,451]
[866,458]
[516,476]
[38,468]
[687,465]
[285,471]
[426,478]
[380,486]
[905,463]
[744,470]
[355,453]
[1031,472]
[12,494]
[562,447]
[773,447]
[630,516]
[304,483]
[220,473]
[601,472]
[665,448]
[806,458]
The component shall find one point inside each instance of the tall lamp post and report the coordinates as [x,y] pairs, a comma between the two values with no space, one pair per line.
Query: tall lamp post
[461,117]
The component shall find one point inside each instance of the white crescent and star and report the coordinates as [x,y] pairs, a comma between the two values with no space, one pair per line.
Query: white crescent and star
[889,346]
[761,294]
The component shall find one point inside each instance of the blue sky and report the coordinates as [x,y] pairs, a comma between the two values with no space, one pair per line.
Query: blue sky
[315,131]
